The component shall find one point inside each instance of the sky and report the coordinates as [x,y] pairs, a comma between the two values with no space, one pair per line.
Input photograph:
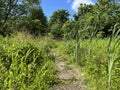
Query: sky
[49,6]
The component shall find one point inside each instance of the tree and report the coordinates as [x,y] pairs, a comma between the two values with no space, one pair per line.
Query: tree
[98,18]
[59,16]
[82,11]
[38,21]
[67,29]
[15,11]
[108,15]
[57,31]
[84,20]
[57,20]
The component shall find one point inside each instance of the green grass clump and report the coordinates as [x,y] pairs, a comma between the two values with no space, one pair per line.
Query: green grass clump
[25,64]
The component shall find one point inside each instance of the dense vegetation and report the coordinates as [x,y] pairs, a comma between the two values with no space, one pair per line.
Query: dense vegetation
[90,40]
[25,65]
[95,61]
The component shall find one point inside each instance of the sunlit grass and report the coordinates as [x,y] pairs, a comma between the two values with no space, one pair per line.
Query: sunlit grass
[93,61]
[26,63]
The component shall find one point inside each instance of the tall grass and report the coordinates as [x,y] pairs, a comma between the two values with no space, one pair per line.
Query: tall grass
[113,45]
[25,64]
[77,46]
[99,59]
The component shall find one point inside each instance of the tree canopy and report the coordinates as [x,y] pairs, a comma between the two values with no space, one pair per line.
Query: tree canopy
[22,13]
[99,18]
[56,22]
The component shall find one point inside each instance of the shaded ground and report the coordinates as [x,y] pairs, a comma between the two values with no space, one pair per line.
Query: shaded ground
[70,78]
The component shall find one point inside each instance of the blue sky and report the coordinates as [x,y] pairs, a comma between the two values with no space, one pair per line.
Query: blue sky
[49,6]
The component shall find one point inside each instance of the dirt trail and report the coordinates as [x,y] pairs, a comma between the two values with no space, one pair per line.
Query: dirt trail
[70,77]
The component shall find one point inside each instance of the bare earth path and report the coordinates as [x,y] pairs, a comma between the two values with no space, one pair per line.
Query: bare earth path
[69,76]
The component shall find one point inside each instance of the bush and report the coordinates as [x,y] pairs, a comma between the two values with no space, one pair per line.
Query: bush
[56,31]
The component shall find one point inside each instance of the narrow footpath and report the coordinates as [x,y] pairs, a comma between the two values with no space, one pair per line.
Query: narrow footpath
[69,76]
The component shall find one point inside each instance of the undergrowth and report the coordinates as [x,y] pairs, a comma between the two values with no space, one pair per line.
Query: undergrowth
[93,61]
[26,64]
[29,64]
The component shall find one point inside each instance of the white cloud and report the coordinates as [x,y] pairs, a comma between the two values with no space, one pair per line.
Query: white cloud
[76,3]
[68,1]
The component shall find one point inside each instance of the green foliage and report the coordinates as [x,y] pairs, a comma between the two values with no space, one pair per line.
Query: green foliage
[25,65]
[113,45]
[19,13]
[38,22]
[67,29]
[56,22]
[94,60]
[97,18]
[56,31]
[59,16]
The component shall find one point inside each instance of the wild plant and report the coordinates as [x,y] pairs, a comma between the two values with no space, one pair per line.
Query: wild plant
[25,66]
[113,45]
